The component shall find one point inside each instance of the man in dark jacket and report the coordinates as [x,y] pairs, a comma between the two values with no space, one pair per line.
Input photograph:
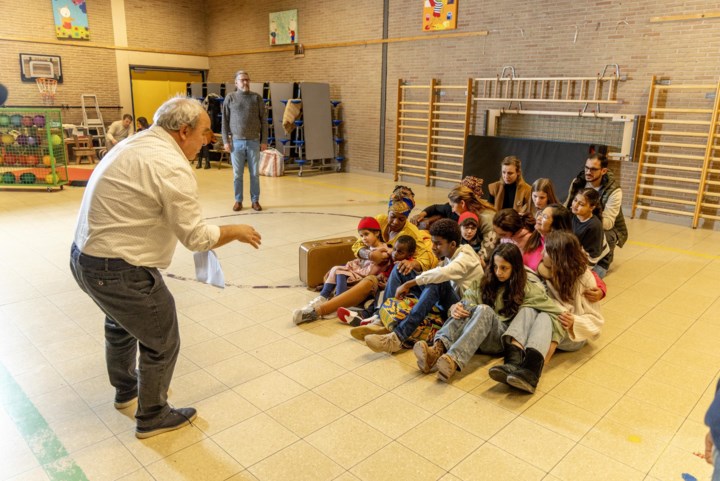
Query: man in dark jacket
[597,176]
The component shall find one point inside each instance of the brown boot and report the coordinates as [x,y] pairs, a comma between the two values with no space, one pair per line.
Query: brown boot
[427,356]
[447,367]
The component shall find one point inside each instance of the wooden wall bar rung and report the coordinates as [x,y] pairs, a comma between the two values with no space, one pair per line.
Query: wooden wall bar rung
[444,146]
[676,144]
[687,87]
[672,178]
[679,122]
[674,156]
[674,167]
[682,111]
[447,129]
[667,211]
[445,162]
[678,133]
[666,199]
[668,189]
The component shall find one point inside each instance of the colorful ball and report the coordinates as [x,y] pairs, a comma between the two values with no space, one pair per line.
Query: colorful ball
[16,120]
[31,141]
[8,178]
[56,139]
[4,120]
[7,139]
[27,121]
[31,160]
[51,178]
[27,178]
[22,139]
[39,121]
[46,160]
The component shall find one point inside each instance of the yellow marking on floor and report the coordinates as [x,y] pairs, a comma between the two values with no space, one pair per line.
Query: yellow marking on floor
[673,249]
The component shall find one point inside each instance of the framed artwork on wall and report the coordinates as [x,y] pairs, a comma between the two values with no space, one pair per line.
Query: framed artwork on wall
[34,66]
[439,15]
[283,27]
[71,20]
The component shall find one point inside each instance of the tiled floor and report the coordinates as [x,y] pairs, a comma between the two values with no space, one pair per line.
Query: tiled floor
[281,402]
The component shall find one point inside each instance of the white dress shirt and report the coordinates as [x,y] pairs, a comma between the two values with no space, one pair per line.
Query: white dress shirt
[140,200]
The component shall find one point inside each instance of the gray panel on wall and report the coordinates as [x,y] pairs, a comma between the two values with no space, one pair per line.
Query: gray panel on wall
[279,91]
[317,118]
[257,87]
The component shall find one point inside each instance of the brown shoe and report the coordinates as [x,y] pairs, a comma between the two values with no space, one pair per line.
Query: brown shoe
[237,206]
[389,343]
[359,333]
[256,206]
[447,367]
[427,356]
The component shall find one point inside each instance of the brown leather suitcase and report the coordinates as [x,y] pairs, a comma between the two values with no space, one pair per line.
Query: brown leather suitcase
[317,257]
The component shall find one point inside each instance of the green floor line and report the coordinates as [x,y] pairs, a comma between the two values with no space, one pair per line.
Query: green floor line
[40,438]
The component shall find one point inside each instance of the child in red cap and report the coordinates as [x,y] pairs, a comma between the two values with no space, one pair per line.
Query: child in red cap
[469,231]
[339,277]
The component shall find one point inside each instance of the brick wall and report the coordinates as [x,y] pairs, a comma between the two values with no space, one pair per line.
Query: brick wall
[552,38]
[178,25]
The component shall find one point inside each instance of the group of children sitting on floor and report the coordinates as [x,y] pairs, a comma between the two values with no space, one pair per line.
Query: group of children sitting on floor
[517,276]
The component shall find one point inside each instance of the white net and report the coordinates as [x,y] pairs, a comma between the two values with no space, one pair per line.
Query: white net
[47,88]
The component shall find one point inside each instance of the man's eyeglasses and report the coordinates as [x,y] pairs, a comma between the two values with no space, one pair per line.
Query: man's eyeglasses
[592,169]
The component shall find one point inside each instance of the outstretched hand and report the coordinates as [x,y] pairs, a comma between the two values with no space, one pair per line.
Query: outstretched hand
[247,234]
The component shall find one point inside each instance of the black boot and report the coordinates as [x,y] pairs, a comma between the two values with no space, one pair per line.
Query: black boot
[526,377]
[514,356]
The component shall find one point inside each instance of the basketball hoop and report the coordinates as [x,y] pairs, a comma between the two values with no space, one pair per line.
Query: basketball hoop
[47,88]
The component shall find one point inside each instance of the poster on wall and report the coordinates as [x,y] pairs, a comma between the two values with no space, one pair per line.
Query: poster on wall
[283,27]
[71,22]
[440,15]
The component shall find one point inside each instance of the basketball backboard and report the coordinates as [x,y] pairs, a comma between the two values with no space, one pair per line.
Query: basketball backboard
[33,66]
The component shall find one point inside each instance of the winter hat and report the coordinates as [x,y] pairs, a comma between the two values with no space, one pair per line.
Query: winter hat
[369,223]
[467,215]
[475,184]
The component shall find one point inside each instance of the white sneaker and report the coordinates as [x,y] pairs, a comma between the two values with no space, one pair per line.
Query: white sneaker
[317,301]
[307,314]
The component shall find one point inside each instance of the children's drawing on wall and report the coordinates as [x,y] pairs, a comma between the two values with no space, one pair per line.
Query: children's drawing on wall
[283,28]
[440,15]
[71,22]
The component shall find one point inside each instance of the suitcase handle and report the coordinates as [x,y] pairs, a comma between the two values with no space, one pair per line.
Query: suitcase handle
[334,241]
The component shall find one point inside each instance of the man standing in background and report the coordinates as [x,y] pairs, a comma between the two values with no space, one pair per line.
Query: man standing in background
[244,124]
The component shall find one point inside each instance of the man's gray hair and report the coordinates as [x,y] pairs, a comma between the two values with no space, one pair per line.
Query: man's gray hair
[239,73]
[178,111]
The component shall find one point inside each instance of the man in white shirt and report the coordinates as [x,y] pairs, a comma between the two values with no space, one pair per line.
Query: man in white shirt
[139,202]
[118,130]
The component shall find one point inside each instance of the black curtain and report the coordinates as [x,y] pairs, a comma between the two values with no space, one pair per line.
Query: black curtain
[558,161]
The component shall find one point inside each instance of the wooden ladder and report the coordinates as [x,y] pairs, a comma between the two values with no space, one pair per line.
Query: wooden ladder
[431,134]
[677,141]
[449,130]
[709,205]
[598,90]
[413,131]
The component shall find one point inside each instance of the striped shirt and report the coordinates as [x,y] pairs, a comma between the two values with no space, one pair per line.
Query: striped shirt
[140,200]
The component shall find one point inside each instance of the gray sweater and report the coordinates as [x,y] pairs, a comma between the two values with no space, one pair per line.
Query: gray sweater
[243,117]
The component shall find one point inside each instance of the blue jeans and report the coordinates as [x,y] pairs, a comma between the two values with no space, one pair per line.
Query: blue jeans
[139,312]
[443,295]
[531,329]
[716,464]
[246,150]
[482,331]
